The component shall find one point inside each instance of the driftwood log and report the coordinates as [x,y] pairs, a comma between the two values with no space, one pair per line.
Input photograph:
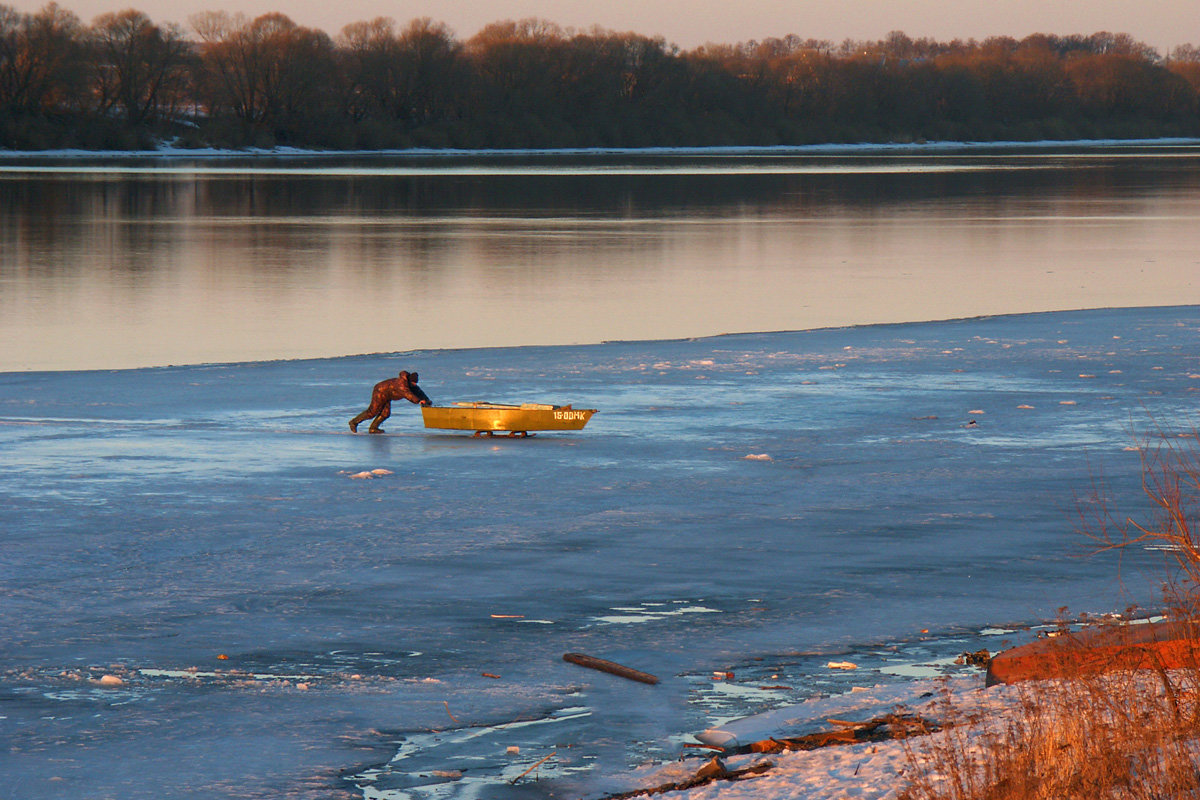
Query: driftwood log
[711,771]
[610,666]
[878,729]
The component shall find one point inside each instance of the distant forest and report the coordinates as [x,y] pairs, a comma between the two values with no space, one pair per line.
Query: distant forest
[125,82]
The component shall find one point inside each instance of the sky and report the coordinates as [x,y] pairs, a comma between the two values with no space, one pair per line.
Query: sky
[689,23]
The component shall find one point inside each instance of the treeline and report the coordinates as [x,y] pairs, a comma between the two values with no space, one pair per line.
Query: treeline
[126,82]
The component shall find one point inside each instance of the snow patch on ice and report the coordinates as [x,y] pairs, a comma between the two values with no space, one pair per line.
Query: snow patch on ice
[647,612]
[367,474]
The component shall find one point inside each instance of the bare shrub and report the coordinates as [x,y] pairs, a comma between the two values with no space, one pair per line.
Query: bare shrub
[1125,735]
[1171,482]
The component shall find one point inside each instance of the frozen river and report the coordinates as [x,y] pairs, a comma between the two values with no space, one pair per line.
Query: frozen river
[757,504]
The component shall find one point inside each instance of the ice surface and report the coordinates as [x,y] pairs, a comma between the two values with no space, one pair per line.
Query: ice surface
[754,504]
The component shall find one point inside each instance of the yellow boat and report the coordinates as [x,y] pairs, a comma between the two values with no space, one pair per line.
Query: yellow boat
[489,419]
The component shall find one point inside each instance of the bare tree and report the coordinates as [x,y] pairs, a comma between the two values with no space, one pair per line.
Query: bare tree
[138,66]
[265,71]
[41,59]
[370,57]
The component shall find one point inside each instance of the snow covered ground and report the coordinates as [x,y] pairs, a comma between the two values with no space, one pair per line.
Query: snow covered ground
[871,770]
[275,624]
[168,151]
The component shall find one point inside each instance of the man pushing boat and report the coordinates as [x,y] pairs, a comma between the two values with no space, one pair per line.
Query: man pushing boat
[402,387]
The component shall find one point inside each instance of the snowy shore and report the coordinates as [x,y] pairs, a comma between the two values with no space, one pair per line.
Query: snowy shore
[869,771]
[169,152]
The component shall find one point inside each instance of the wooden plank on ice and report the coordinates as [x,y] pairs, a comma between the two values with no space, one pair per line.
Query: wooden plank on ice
[609,666]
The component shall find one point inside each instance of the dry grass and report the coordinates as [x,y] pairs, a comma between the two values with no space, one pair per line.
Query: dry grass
[1121,735]
[1110,736]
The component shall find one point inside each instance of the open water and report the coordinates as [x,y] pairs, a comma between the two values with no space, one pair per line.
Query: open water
[125,262]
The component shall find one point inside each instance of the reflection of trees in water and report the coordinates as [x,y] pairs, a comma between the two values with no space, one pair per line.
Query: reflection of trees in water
[588,184]
[322,218]
[56,226]
[308,262]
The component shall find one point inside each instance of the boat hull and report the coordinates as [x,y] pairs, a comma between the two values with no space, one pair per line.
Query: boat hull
[489,418]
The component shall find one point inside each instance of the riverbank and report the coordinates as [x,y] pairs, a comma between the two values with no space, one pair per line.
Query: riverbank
[953,739]
[1043,740]
[876,770]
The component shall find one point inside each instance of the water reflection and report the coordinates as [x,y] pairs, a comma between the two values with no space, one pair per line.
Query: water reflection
[127,263]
